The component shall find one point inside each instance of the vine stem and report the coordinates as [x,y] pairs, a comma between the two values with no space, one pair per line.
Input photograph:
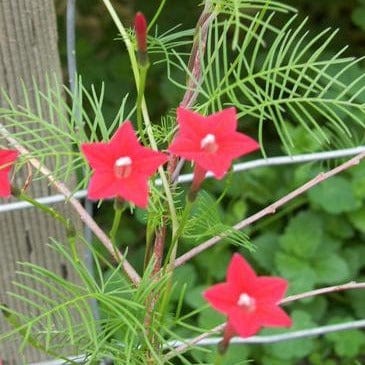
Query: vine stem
[84,215]
[17,193]
[218,359]
[271,209]
[118,211]
[269,339]
[188,99]
[141,88]
[194,65]
[146,117]
[329,289]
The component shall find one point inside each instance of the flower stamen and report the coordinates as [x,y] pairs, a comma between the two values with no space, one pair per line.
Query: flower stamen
[123,167]
[209,144]
[247,302]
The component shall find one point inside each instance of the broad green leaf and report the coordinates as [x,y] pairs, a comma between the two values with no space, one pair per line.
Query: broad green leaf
[335,196]
[294,349]
[304,142]
[214,262]
[347,343]
[331,269]
[358,187]
[337,226]
[317,306]
[328,246]
[357,218]
[303,235]
[299,273]
[265,245]
[305,172]
[356,298]
[354,256]
[269,360]
[237,354]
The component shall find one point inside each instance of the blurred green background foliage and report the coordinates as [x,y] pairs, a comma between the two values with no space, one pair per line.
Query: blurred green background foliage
[316,240]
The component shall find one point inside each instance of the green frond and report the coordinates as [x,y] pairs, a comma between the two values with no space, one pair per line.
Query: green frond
[52,130]
[206,222]
[275,73]
[236,7]
[165,130]
[282,75]
[60,316]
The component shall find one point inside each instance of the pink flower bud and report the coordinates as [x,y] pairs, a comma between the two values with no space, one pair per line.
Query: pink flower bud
[140,26]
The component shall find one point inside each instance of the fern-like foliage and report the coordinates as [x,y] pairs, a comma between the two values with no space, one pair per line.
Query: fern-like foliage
[277,74]
[63,320]
[52,129]
[206,222]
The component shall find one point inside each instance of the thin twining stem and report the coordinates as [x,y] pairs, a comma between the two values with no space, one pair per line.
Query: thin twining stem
[329,289]
[84,215]
[197,53]
[243,166]
[200,340]
[271,209]
[195,68]
[147,122]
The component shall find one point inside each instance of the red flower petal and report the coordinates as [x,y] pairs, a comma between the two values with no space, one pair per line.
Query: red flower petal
[135,189]
[273,316]
[148,161]
[270,289]
[142,163]
[124,140]
[219,168]
[222,297]
[238,145]
[191,124]
[244,323]
[226,143]
[7,159]
[250,302]
[103,185]
[223,122]
[98,155]
[240,274]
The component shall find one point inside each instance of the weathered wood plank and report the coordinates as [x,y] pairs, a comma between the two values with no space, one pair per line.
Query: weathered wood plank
[28,52]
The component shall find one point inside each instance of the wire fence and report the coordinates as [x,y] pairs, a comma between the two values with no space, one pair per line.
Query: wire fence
[185,178]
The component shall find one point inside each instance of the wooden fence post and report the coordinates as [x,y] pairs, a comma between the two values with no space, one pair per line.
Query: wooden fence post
[28,53]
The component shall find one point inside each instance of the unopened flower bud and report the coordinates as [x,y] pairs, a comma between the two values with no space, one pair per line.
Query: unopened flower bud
[140,26]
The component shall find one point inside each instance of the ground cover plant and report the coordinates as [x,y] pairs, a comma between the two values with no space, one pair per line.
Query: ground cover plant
[180,259]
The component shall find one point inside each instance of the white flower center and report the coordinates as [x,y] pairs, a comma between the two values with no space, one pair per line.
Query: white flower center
[209,144]
[123,167]
[246,301]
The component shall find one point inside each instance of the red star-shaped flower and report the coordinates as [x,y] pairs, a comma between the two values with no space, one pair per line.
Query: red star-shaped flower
[121,167]
[212,142]
[249,301]
[7,159]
